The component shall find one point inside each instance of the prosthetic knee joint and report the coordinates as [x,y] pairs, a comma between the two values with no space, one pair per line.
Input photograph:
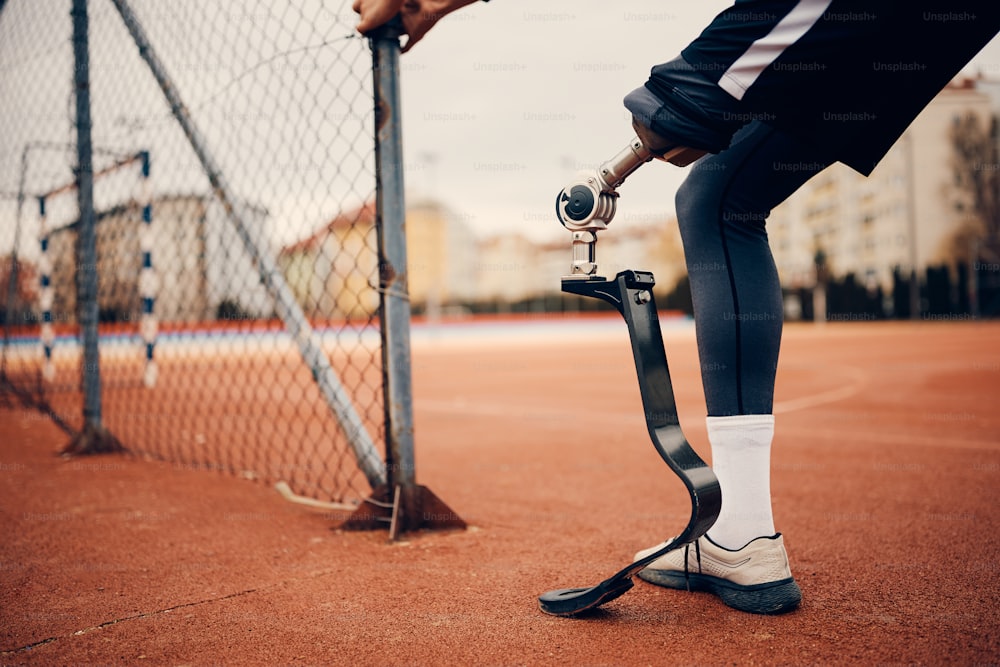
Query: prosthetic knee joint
[589,202]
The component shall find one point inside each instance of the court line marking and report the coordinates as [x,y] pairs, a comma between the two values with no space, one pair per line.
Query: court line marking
[884,438]
[859,379]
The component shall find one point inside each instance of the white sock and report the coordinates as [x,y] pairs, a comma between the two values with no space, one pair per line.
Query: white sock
[741,459]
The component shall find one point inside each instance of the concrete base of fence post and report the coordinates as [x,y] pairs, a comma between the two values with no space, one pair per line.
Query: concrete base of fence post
[93,440]
[406,508]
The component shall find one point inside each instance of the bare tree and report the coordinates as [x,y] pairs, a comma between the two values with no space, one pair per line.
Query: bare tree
[976,167]
[18,288]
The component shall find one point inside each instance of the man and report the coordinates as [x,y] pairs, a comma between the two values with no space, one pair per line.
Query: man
[771,93]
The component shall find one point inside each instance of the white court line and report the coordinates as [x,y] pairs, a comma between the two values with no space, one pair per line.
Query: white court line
[859,380]
[501,409]
[475,334]
[886,438]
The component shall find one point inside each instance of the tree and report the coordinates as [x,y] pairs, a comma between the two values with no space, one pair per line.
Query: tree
[18,289]
[976,167]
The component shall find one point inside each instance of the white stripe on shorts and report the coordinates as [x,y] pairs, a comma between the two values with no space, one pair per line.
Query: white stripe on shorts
[747,68]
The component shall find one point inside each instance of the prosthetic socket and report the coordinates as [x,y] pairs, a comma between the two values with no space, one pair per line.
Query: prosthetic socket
[589,202]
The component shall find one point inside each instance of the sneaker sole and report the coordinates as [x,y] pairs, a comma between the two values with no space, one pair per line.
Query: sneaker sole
[774,597]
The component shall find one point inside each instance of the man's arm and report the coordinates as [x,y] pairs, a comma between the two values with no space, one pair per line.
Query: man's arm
[418,16]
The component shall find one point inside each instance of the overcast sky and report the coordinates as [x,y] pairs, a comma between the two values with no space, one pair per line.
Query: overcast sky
[503,102]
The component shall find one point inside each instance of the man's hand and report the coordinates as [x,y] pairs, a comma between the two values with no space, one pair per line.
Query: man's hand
[375,12]
[418,16]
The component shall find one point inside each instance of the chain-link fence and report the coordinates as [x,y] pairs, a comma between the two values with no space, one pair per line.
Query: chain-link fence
[235,229]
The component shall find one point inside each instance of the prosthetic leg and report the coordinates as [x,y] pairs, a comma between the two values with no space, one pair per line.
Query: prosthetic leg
[585,207]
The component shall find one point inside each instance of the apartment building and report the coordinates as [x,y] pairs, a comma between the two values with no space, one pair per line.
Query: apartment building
[198,260]
[906,214]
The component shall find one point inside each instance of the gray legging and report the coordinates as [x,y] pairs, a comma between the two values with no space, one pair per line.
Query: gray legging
[721,209]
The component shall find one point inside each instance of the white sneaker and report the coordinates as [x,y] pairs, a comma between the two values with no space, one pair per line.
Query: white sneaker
[755,579]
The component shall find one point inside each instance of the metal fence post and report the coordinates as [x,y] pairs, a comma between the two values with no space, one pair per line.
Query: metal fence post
[94,438]
[393,276]
[408,505]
